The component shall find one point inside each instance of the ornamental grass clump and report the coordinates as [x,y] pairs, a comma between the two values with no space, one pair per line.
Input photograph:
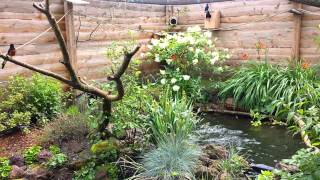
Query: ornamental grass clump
[269,88]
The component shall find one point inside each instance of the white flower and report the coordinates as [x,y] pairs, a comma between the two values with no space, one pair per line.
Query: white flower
[228,56]
[163,81]
[163,72]
[186,77]
[194,29]
[149,46]
[142,55]
[163,45]
[173,80]
[220,69]
[198,51]
[154,42]
[169,61]
[191,49]
[191,40]
[175,88]
[209,42]
[214,60]
[178,69]
[195,61]
[208,34]
[157,58]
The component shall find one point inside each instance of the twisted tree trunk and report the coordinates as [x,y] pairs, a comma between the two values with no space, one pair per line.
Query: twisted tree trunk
[75,81]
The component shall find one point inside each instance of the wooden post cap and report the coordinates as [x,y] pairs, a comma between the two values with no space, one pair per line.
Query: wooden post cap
[78,2]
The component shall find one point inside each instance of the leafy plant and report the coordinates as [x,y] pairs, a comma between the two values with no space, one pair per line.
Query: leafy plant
[258,86]
[174,158]
[234,164]
[31,153]
[5,168]
[87,172]
[171,115]
[265,175]
[308,162]
[57,160]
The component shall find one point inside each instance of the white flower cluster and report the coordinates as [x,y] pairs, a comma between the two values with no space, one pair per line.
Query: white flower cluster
[174,81]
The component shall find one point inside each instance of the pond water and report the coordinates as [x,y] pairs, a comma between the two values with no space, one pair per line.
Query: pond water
[261,145]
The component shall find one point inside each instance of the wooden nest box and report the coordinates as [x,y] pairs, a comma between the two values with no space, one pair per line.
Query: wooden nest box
[214,21]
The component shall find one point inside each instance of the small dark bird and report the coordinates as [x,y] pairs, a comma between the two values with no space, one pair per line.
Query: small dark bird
[11,52]
[208,15]
[206,9]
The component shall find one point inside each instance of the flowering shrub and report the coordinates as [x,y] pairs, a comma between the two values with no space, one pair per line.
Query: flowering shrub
[183,53]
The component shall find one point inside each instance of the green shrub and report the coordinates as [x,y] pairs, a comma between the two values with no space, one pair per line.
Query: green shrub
[185,56]
[23,100]
[65,128]
[171,115]
[31,153]
[174,158]
[5,168]
[265,175]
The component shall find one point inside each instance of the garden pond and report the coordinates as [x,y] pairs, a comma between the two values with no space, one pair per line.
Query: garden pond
[261,145]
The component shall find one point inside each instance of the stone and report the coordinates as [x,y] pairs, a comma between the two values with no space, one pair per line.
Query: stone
[37,173]
[287,167]
[16,172]
[44,156]
[17,160]
[215,152]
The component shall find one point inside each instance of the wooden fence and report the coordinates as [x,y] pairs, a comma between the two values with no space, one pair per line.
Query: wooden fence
[95,26]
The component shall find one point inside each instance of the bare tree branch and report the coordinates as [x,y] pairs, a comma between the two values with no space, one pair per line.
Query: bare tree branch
[75,80]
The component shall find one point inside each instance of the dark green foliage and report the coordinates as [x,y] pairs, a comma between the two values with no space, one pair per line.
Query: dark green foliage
[31,153]
[23,100]
[65,127]
[5,168]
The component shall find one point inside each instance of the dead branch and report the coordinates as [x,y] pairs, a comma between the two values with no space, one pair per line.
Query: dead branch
[75,80]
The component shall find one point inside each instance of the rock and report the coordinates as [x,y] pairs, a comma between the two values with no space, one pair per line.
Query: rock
[215,152]
[44,156]
[16,172]
[37,173]
[287,167]
[17,160]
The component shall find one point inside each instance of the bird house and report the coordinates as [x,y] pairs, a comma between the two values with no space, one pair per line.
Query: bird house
[213,22]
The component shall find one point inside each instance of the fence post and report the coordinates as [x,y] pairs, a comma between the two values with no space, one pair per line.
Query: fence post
[297,33]
[70,34]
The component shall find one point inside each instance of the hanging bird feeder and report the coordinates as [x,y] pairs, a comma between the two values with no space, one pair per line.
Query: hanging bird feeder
[173,21]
